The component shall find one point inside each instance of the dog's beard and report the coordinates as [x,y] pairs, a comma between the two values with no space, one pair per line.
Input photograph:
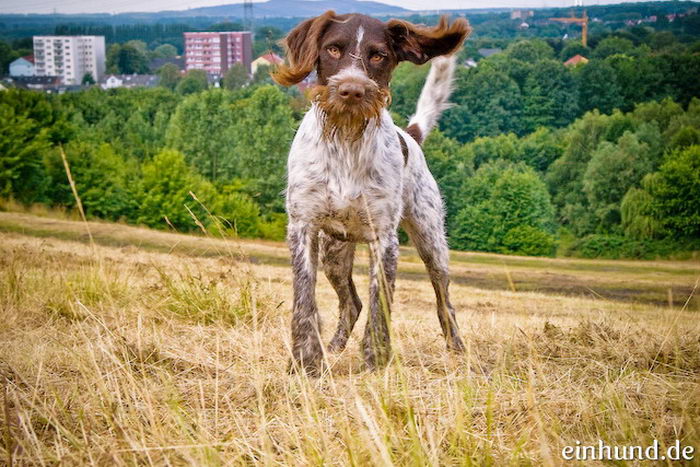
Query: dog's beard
[348,121]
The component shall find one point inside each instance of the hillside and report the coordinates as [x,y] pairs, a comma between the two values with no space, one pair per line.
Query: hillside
[153,347]
[296,8]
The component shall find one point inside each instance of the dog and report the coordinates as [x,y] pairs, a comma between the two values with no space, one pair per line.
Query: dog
[354,176]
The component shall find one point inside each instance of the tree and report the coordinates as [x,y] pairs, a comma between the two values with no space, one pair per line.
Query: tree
[201,128]
[551,96]
[165,51]
[675,191]
[7,56]
[237,213]
[565,175]
[485,149]
[88,79]
[508,210]
[262,75]
[169,76]
[612,170]
[193,82]
[164,193]
[541,148]
[613,45]
[406,84]
[126,59]
[598,88]
[263,128]
[236,77]
[487,102]
[102,177]
[138,45]
[530,51]
[267,39]
[225,26]
[23,143]
[636,80]
[573,48]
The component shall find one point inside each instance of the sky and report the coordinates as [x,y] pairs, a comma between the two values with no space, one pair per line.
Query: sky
[121,6]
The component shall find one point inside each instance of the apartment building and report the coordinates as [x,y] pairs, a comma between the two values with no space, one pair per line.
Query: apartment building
[69,57]
[216,52]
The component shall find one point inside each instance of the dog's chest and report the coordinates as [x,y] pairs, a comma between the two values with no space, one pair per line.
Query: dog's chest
[350,191]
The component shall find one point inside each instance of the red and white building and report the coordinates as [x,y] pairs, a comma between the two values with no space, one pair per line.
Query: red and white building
[216,52]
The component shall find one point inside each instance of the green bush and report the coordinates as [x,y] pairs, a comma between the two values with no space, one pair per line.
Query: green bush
[102,177]
[529,241]
[165,195]
[506,209]
[237,214]
[22,145]
[618,247]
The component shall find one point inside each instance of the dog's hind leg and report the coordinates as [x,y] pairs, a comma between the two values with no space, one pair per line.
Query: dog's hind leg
[424,223]
[337,258]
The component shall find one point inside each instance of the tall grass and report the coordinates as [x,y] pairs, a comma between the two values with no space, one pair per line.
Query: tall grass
[123,376]
[123,355]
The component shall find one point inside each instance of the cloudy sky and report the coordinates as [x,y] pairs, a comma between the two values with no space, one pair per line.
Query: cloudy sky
[120,6]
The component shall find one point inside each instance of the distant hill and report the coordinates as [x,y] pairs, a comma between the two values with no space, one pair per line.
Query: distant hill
[294,8]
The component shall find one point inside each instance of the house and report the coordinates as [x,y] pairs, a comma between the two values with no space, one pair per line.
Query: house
[576,60]
[37,83]
[128,81]
[470,63]
[271,59]
[487,52]
[23,66]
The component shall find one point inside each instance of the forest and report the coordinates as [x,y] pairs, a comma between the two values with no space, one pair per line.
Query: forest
[601,159]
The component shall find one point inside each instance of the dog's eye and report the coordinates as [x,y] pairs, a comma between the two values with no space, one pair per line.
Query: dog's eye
[376,58]
[333,51]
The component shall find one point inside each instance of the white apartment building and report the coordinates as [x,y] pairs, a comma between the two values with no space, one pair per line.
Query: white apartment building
[69,57]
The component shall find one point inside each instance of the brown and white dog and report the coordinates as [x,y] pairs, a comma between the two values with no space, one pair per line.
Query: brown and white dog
[354,176]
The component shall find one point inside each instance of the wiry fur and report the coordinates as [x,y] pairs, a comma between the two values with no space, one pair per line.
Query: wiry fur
[349,181]
[343,121]
[433,100]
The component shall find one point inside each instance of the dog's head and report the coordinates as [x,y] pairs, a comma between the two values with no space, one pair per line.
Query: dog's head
[354,57]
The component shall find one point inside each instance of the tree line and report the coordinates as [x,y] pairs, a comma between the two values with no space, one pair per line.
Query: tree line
[535,158]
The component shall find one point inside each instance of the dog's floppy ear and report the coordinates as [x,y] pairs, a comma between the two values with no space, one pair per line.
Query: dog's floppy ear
[418,44]
[302,45]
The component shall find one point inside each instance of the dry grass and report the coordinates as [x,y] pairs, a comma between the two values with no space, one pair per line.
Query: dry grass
[168,349]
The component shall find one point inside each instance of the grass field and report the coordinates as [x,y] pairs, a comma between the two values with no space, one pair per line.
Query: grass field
[147,347]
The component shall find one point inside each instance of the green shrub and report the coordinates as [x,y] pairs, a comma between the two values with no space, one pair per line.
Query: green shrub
[237,214]
[618,247]
[102,177]
[529,241]
[506,209]
[165,193]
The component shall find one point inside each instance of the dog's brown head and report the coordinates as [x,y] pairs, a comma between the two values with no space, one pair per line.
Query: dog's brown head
[354,57]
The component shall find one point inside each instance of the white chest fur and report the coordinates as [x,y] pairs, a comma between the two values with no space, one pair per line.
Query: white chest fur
[349,189]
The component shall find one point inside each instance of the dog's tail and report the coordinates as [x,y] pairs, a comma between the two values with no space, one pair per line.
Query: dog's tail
[433,98]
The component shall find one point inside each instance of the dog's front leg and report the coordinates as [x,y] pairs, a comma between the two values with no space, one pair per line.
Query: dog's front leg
[307,352]
[376,343]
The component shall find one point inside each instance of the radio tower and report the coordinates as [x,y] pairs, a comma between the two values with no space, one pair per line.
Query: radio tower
[248,16]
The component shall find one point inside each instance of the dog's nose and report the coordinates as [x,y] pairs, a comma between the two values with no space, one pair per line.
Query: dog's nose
[351,91]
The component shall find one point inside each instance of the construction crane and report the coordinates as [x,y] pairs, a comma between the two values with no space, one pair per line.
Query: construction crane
[582,21]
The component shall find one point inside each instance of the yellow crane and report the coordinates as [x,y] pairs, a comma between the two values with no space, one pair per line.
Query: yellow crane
[582,21]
